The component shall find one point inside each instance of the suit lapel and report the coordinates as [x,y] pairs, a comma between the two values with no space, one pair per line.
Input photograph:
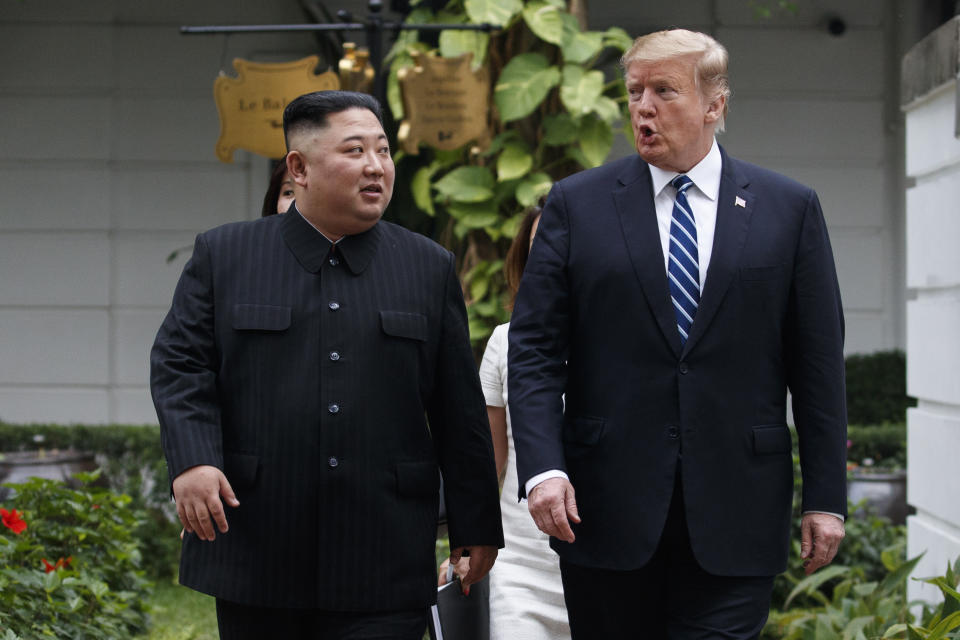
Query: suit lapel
[734,209]
[638,219]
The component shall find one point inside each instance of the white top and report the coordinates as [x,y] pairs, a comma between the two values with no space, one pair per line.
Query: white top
[526,592]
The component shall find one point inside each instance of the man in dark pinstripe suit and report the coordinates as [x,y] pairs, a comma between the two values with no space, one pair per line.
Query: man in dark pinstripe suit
[313,373]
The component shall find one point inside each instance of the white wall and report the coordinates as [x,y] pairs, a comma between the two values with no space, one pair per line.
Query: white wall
[107,165]
[933,331]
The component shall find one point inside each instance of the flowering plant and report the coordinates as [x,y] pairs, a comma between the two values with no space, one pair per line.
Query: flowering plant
[69,563]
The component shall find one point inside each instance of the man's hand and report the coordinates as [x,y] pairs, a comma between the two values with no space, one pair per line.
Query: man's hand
[820,536]
[198,491]
[481,560]
[553,505]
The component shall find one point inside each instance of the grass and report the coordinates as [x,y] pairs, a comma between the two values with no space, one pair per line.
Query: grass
[179,613]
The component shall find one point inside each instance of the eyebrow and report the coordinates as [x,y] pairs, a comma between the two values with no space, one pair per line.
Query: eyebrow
[360,138]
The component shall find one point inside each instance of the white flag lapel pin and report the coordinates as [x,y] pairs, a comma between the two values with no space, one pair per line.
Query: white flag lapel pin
[740,202]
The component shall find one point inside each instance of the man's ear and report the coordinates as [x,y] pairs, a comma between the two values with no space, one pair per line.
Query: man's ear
[297,168]
[715,109]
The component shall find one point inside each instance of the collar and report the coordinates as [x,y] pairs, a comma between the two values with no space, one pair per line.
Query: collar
[705,174]
[311,248]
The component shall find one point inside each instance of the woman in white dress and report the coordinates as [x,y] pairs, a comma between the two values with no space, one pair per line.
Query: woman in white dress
[526,595]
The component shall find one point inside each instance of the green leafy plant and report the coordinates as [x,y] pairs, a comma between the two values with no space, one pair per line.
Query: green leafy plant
[942,621]
[857,609]
[557,103]
[132,463]
[70,563]
[877,388]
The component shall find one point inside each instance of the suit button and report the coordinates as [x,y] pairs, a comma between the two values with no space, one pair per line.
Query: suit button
[334,355]
[684,368]
[333,408]
[673,433]
[334,305]
[334,261]
[332,462]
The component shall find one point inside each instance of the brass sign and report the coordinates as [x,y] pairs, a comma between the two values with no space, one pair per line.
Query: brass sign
[251,105]
[447,103]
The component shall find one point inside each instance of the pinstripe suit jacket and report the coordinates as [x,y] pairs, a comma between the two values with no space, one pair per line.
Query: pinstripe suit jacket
[308,375]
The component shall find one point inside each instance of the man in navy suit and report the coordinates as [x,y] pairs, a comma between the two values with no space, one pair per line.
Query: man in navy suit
[294,378]
[674,298]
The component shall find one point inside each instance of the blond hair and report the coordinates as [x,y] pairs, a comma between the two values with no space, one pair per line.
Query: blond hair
[711,60]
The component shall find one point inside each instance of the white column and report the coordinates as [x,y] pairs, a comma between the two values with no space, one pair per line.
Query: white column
[930,101]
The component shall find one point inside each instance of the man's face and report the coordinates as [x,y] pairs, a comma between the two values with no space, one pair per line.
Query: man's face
[343,172]
[673,123]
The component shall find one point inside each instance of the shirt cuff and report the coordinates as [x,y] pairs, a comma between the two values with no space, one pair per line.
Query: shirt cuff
[540,477]
[829,513]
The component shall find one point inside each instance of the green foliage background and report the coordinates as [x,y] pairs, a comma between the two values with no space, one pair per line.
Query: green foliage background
[558,102]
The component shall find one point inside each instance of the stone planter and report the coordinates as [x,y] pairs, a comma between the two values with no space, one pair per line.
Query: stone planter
[885,493]
[17,466]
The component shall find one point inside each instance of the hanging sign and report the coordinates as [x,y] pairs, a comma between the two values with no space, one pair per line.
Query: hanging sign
[447,103]
[251,105]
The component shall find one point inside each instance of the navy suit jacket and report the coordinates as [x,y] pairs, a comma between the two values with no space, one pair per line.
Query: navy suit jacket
[308,376]
[594,320]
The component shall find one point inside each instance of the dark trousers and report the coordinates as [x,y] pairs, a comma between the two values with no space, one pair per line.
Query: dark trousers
[671,597]
[243,622]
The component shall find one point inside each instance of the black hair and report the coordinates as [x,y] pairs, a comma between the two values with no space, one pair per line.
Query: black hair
[311,109]
[274,188]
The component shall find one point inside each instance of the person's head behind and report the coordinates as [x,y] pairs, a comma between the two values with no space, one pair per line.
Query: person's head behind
[519,251]
[339,160]
[678,91]
[279,193]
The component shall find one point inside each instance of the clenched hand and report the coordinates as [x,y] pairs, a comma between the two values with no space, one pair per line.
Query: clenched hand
[198,492]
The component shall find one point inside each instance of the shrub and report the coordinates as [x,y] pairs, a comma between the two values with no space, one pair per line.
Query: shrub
[70,563]
[877,388]
[881,446]
[860,608]
[133,464]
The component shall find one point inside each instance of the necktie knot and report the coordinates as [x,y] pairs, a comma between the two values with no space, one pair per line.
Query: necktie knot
[681,183]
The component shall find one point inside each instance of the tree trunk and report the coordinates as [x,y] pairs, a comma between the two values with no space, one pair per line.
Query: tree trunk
[578,9]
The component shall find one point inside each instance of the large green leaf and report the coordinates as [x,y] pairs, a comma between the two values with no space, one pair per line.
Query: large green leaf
[580,89]
[811,584]
[533,188]
[617,38]
[514,162]
[523,85]
[456,43]
[578,46]
[607,109]
[596,140]
[559,129]
[420,187]
[545,21]
[496,12]
[474,215]
[467,184]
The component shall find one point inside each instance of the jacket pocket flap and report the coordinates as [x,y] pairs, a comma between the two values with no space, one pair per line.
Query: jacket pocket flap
[404,325]
[583,430]
[240,468]
[755,274]
[260,317]
[771,439]
[418,479]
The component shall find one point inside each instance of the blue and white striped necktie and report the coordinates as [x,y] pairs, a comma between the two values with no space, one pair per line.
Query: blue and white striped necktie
[683,268]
